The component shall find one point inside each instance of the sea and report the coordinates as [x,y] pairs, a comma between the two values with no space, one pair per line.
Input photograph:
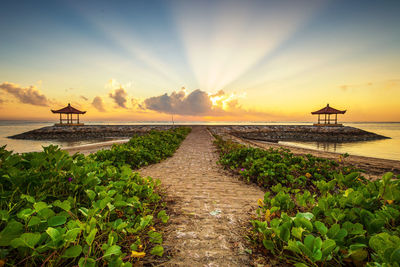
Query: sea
[387,148]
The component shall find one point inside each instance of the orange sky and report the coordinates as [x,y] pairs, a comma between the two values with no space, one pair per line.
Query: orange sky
[200,60]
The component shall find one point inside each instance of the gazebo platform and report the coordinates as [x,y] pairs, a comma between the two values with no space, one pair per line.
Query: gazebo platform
[69,124]
[328,125]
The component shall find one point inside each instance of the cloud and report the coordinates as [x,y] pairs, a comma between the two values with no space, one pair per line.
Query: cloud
[29,95]
[114,84]
[137,104]
[119,97]
[1,101]
[379,85]
[98,104]
[84,98]
[196,103]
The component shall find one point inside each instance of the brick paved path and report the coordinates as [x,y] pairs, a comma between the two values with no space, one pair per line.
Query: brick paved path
[198,186]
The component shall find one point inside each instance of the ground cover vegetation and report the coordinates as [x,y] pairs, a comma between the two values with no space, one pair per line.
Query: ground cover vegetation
[62,210]
[319,212]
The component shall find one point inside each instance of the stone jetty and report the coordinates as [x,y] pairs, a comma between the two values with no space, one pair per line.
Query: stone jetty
[270,133]
[87,132]
[305,133]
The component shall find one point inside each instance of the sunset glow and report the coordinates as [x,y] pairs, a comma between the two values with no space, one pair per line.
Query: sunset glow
[200,60]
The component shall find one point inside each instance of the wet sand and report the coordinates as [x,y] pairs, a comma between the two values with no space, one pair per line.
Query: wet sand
[92,148]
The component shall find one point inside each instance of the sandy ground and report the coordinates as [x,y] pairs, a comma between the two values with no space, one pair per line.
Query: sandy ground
[91,148]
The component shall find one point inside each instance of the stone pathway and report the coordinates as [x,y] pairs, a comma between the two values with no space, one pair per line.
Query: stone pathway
[208,209]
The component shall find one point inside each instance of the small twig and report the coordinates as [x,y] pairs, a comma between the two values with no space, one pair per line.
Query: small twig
[48,258]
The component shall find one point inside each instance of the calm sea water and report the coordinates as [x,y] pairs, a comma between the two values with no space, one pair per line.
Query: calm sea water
[388,148]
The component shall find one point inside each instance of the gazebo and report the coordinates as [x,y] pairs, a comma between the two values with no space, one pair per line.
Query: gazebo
[327,112]
[69,121]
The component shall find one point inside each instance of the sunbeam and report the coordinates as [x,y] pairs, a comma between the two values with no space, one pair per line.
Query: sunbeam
[222,40]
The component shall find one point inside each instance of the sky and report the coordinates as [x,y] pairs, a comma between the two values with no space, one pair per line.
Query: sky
[203,60]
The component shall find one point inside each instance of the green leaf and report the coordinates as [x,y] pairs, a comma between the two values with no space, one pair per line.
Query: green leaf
[284,231]
[120,203]
[26,240]
[86,262]
[309,242]
[293,246]
[395,257]
[56,220]
[25,214]
[46,213]
[4,215]
[145,221]
[268,244]
[53,233]
[317,255]
[359,255]
[297,232]
[72,252]
[387,177]
[157,250]
[89,239]
[322,229]
[303,222]
[305,215]
[38,206]
[71,235]
[34,221]
[28,198]
[155,237]
[65,205]
[10,232]
[336,233]
[162,215]
[375,225]
[327,247]
[113,250]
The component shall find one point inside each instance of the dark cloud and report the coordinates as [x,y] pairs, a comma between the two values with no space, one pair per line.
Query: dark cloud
[84,98]
[196,103]
[98,104]
[119,97]
[28,95]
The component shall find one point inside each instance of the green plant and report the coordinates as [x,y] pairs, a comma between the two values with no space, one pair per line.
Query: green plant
[58,209]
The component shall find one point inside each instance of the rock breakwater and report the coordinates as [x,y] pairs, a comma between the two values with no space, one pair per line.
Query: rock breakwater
[88,132]
[270,133]
[306,133]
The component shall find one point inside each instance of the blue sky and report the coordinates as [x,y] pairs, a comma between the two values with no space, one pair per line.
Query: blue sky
[264,55]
